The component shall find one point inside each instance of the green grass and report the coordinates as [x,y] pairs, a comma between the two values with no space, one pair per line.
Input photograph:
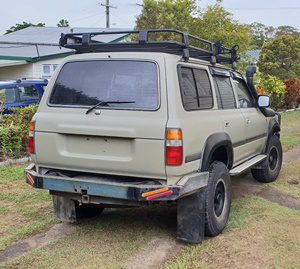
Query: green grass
[289,179]
[290,119]
[24,211]
[259,233]
[290,129]
[108,241]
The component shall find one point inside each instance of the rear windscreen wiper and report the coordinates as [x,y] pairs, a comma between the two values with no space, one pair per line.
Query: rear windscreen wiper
[104,103]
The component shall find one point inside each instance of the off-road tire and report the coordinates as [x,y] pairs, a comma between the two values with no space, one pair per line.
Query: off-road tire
[217,199]
[272,164]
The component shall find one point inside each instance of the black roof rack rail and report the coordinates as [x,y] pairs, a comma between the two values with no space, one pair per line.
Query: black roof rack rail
[209,51]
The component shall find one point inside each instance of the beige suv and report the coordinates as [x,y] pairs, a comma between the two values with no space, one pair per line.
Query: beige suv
[151,122]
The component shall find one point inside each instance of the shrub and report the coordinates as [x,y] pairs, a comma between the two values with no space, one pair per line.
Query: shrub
[292,92]
[14,132]
[275,88]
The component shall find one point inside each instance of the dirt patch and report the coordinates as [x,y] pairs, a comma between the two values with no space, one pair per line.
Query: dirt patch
[37,241]
[291,155]
[279,198]
[156,253]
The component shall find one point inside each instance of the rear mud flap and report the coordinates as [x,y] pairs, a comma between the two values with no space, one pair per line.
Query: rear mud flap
[191,217]
[64,209]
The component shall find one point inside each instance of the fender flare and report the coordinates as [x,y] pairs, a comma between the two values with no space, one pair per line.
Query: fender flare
[273,125]
[212,143]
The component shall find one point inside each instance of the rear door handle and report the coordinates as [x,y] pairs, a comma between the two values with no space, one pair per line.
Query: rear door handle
[227,124]
[248,121]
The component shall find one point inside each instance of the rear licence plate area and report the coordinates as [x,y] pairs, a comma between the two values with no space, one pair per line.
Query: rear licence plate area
[97,146]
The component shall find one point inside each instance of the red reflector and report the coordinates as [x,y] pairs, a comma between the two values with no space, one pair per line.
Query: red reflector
[152,197]
[174,155]
[31,145]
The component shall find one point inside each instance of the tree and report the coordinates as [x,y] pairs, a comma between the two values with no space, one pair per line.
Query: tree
[273,87]
[292,96]
[287,30]
[20,26]
[63,23]
[260,33]
[280,57]
[213,23]
[174,14]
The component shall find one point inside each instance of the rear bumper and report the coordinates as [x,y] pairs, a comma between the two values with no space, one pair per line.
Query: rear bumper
[104,191]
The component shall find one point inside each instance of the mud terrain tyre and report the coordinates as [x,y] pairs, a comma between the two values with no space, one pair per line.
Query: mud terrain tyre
[272,164]
[217,199]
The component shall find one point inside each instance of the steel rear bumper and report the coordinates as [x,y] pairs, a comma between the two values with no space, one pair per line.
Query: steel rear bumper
[88,190]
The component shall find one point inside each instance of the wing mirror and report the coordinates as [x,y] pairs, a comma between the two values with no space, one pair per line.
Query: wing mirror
[263,101]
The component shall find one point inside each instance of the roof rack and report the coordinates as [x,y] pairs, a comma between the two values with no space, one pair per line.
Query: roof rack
[204,50]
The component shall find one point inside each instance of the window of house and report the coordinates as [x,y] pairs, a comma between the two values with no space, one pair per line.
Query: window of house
[195,89]
[48,69]
[225,95]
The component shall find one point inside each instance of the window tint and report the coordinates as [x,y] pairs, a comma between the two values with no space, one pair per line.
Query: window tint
[204,88]
[195,89]
[188,89]
[244,96]
[225,95]
[28,93]
[9,95]
[86,83]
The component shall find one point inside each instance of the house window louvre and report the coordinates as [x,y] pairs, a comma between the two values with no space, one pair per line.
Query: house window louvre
[48,70]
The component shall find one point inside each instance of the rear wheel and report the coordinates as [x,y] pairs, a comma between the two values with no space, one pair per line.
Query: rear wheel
[217,199]
[272,164]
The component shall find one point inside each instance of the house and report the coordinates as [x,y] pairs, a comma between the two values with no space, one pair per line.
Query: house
[253,55]
[34,52]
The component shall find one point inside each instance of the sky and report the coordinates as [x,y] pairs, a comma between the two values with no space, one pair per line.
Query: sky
[90,13]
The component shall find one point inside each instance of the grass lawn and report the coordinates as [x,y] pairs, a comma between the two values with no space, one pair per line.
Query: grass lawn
[23,210]
[260,234]
[105,242]
[290,129]
[289,179]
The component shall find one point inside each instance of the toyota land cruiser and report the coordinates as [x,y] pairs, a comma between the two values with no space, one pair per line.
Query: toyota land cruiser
[151,122]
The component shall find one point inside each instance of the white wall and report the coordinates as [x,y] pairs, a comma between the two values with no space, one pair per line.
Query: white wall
[37,70]
[30,70]
[16,72]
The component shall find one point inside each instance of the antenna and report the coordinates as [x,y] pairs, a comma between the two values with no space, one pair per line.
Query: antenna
[107,6]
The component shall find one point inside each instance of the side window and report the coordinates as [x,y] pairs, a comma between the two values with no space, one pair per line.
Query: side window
[9,95]
[225,95]
[243,94]
[28,93]
[195,89]
[203,88]
[188,89]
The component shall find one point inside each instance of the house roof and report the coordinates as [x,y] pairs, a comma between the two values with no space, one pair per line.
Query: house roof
[37,43]
[253,54]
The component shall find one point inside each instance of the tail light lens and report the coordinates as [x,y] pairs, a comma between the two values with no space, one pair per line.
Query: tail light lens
[174,150]
[31,148]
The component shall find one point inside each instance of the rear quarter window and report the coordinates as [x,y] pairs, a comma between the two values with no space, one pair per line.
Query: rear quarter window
[195,89]
[86,83]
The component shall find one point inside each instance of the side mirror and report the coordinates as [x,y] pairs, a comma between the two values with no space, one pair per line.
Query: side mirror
[263,101]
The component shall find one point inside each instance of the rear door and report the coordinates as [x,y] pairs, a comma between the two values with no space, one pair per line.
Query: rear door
[114,138]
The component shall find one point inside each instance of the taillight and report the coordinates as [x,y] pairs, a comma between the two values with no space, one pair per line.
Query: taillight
[174,150]
[31,148]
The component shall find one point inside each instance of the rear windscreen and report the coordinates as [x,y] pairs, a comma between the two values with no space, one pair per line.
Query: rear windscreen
[87,83]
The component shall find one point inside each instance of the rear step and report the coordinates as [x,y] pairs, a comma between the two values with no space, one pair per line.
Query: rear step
[244,166]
